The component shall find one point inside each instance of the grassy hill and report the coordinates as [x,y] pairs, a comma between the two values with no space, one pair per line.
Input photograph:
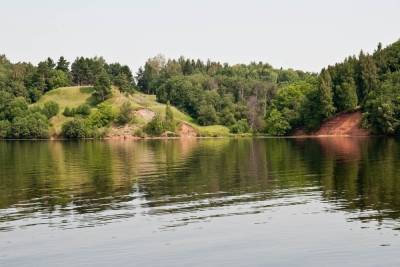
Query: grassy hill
[76,95]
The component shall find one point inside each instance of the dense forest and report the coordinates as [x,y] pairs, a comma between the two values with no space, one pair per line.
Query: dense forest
[252,98]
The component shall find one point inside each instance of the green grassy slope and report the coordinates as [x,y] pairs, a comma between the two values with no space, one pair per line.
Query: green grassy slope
[75,95]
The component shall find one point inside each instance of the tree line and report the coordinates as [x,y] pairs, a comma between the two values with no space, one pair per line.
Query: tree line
[251,97]
[237,96]
[22,84]
[258,98]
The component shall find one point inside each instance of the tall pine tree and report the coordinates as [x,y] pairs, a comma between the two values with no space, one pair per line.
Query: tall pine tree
[325,94]
[367,76]
[62,64]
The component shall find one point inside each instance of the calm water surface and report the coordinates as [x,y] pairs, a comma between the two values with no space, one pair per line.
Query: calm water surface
[220,202]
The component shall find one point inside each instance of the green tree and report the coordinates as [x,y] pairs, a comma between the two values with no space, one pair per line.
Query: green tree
[58,78]
[62,64]
[311,115]
[5,101]
[102,87]
[346,95]
[382,107]
[85,71]
[18,107]
[290,100]
[207,114]
[123,83]
[276,124]
[325,94]
[147,77]
[368,77]
[35,94]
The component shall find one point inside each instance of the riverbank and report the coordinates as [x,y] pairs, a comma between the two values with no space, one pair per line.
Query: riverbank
[344,124]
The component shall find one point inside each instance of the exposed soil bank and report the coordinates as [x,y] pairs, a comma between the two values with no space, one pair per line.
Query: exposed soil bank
[146,114]
[187,131]
[345,124]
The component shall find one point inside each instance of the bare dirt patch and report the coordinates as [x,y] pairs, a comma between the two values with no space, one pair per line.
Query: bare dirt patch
[145,114]
[345,124]
[186,131]
[121,132]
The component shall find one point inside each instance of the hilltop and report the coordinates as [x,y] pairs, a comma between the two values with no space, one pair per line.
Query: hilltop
[145,108]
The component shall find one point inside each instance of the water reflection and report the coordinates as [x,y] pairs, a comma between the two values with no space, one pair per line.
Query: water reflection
[81,184]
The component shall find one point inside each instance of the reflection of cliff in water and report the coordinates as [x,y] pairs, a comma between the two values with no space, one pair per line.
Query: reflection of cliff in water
[354,174]
[358,174]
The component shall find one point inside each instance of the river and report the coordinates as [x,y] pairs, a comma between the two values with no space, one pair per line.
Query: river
[200,202]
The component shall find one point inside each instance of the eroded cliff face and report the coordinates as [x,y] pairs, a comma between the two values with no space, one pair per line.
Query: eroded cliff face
[346,124]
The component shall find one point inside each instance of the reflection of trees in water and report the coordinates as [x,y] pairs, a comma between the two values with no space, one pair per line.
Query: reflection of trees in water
[232,167]
[88,177]
[359,174]
[80,177]
[355,174]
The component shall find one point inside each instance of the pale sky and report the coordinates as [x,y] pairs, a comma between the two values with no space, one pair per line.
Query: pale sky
[302,34]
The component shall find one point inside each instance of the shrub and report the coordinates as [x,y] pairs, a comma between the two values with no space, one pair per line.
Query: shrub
[103,116]
[240,126]
[155,127]
[35,94]
[34,125]
[83,110]
[125,114]
[5,128]
[38,125]
[75,129]
[68,112]
[50,109]
[139,133]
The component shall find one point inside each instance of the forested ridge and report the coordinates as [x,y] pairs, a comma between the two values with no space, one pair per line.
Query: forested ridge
[246,98]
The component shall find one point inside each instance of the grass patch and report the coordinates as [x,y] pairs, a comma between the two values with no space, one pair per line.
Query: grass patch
[67,96]
[212,130]
[74,96]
